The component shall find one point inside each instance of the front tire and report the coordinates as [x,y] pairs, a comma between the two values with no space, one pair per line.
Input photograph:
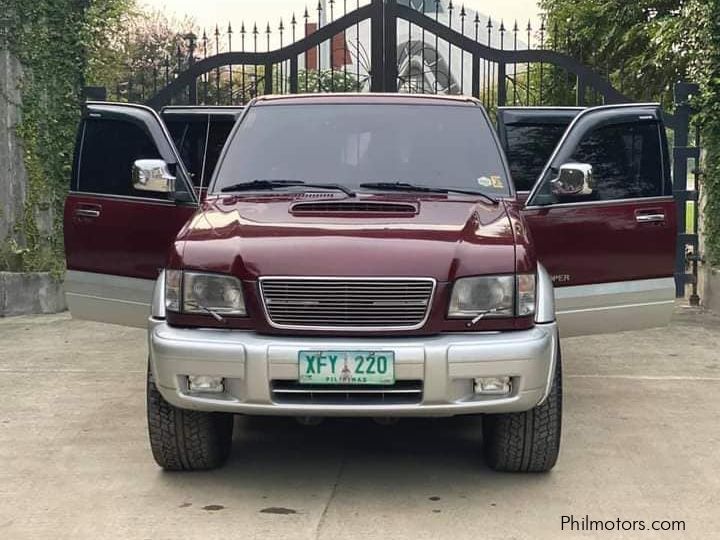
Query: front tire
[185,440]
[527,441]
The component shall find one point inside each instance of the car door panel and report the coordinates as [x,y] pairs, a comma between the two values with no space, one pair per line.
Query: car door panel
[612,259]
[571,240]
[116,239]
[127,238]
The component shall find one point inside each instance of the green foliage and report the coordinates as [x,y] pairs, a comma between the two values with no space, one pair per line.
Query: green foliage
[327,80]
[46,36]
[248,82]
[106,56]
[706,71]
[54,40]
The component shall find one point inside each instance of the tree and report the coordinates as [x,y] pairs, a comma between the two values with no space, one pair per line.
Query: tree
[103,38]
[644,46]
[147,48]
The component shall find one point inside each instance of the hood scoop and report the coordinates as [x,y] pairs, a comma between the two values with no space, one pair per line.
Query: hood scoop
[354,208]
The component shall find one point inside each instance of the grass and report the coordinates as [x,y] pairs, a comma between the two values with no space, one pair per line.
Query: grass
[689,216]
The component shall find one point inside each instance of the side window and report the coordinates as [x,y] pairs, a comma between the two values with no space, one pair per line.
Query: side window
[627,160]
[189,138]
[109,149]
[219,133]
[529,146]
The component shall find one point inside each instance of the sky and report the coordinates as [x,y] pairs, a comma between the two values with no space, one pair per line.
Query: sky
[208,12]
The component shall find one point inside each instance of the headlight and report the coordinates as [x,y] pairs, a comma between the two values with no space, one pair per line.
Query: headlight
[493,296]
[195,292]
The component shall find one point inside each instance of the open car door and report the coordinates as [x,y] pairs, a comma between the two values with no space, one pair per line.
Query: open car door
[120,220]
[603,221]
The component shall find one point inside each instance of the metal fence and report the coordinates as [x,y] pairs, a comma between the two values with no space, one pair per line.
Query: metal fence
[412,46]
[416,46]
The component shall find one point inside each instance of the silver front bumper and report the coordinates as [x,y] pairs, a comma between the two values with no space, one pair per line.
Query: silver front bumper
[445,364]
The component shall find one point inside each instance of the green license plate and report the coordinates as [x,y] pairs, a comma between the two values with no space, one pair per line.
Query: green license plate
[346,367]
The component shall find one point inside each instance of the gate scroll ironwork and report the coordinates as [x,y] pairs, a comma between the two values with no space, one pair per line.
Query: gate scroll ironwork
[414,46]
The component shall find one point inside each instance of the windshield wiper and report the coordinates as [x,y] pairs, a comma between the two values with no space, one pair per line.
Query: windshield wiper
[267,185]
[405,186]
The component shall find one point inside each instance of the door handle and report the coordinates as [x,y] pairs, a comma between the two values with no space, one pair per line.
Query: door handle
[649,218]
[87,212]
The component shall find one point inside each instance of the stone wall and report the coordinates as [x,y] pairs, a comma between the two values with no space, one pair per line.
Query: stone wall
[12,168]
[20,293]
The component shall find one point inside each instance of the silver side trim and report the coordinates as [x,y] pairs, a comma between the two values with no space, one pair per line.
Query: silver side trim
[614,307]
[148,200]
[157,309]
[545,308]
[108,298]
[545,313]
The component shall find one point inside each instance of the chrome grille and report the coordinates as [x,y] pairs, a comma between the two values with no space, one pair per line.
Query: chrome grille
[400,393]
[343,303]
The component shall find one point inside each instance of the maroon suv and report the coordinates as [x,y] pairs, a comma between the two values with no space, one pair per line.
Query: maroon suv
[368,255]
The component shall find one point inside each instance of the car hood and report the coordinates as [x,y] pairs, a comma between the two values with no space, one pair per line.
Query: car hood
[443,237]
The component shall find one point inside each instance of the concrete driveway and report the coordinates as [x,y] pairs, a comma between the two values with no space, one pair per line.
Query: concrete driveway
[641,434]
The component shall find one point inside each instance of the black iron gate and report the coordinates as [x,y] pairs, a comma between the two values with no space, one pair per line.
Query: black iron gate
[416,46]
[427,46]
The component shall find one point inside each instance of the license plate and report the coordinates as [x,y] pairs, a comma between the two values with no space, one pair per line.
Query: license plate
[346,367]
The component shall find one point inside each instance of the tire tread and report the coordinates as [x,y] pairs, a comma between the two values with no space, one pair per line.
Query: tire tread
[527,441]
[185,440]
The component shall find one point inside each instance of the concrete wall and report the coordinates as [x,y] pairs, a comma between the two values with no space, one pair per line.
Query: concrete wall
[26,293]
[12,168]
[710,288]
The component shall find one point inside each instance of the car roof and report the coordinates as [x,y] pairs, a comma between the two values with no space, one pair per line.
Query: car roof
[190,111]
[365,98]
[538,115]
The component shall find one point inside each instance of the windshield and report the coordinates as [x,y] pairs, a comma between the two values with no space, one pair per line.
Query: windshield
[439,146]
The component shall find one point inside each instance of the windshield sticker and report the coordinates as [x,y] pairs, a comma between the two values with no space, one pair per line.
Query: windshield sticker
[484,181]
[497,182]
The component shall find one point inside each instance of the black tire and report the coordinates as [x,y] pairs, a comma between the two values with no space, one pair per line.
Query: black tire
[527,441]
[185,440]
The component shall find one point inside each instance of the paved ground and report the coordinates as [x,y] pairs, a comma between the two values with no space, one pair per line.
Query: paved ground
[641,443]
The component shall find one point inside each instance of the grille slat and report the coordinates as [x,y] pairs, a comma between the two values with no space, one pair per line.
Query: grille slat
[400,393]
[365,303]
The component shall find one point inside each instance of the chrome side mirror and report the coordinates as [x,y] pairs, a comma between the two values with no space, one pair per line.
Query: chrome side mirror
[152,175]
[574,180]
